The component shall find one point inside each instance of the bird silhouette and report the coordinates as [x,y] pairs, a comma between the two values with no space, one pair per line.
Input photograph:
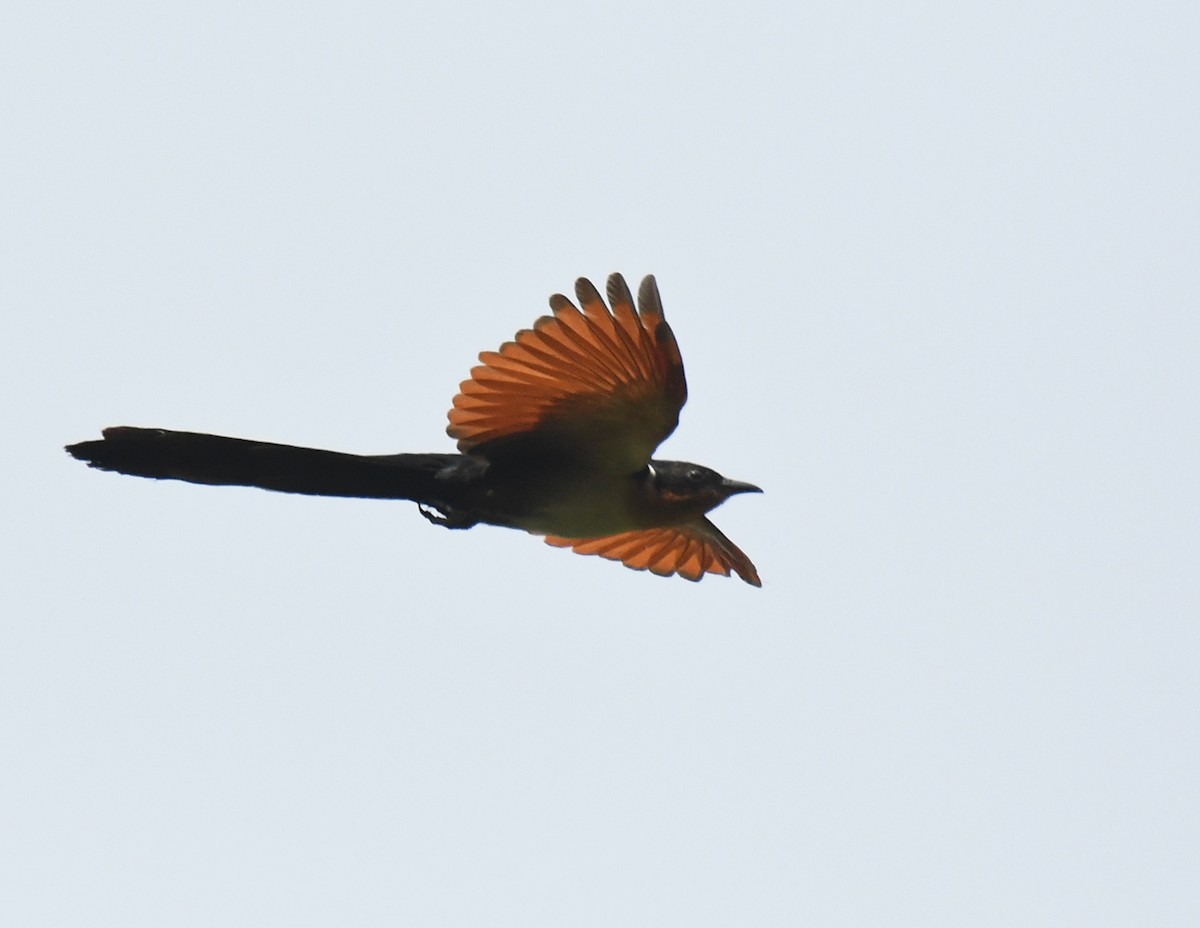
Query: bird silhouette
[555,433]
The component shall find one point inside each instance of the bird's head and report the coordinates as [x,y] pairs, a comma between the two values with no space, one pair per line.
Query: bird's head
[690,489]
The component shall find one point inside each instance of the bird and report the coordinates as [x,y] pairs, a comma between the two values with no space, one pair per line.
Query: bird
[555,434]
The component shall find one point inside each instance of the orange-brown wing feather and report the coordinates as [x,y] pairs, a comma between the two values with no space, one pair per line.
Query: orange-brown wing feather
[690,550]
[604,385]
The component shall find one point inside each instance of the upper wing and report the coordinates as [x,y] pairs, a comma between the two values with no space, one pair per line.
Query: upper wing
[690,550]
[601,387]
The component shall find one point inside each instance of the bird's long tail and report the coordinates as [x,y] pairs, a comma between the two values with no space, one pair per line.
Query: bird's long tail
[214,459]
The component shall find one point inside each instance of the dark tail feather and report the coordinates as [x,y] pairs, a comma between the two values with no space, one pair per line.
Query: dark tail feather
[213,459]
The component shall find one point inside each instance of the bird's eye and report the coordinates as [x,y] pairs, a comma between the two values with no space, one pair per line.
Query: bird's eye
[695,475]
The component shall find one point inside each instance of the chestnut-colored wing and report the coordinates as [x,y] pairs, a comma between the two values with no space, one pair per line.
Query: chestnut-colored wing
[690,550]
[602,387]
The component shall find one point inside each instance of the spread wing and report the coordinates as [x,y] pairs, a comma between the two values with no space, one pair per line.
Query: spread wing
[690,550]
[600,386]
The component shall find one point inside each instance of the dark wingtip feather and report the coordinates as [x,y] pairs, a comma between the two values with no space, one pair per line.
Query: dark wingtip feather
[586,292]
[618,290]
[649,300]
[559,302]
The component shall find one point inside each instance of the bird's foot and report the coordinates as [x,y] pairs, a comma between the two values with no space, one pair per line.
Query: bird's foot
[446,516]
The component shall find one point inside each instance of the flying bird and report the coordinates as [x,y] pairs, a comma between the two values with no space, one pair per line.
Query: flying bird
[555,434]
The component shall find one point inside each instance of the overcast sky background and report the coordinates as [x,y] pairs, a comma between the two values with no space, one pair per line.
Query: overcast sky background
[933,270]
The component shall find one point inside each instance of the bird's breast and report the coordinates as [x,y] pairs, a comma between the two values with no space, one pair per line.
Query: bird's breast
[582,505]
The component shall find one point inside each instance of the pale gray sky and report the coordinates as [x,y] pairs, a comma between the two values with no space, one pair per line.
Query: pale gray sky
[933,269]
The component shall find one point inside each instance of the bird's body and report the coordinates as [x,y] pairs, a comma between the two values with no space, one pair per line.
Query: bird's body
[554,431]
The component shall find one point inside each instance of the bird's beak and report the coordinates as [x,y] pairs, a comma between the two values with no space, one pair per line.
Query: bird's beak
[736,486]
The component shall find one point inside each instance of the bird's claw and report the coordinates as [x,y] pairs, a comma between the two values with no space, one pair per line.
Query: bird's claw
[446,516]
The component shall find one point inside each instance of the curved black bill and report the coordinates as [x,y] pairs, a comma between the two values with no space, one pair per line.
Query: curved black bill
[737,486]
